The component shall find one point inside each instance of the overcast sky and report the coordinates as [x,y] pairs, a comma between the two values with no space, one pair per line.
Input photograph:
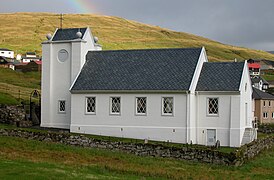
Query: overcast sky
[248,23]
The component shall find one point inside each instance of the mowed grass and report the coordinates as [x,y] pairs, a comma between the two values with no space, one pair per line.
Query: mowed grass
[113,33]
[24,159]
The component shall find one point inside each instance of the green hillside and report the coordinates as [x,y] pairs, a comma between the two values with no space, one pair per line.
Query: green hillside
[23,32]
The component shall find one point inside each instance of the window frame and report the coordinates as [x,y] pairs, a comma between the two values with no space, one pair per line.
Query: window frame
[265,117]
[59,107]
[86,105]
[136,106]
[207,107]
[110,106]
[162,106]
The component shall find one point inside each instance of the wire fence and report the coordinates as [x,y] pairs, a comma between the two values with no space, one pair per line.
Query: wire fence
[21,94]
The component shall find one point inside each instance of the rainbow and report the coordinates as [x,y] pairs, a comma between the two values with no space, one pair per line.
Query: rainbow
[82,6]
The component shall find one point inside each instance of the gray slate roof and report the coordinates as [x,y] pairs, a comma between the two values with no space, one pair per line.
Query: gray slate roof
[257,79]
[126,70]
[258,94]
[220,76]
[68,34]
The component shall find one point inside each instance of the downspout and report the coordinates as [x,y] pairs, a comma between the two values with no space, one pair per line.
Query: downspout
[230,122]
[187,117]
[197,115]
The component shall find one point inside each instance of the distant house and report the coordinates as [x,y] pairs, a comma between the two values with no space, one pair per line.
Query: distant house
[259,83]
[30,56]
[254,67]
[6,53]
[264,106]
[172,95]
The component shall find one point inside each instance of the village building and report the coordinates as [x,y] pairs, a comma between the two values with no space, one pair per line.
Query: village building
[254,67]
[6,53]
[264,106]
[30,56]
[173,95]
[259,83]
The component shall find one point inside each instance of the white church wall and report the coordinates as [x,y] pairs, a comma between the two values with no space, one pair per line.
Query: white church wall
[56,86]
[153,125]
[46,85]
[58,76]
[228,110]
[191,123]
[246,107]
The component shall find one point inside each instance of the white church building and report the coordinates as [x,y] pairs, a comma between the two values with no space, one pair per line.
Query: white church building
[173,95]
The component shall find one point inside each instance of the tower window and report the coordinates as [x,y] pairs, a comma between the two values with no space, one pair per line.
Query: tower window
[62,106]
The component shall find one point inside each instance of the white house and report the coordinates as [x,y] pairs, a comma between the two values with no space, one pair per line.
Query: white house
[173,95]
[30,56]
[6,53]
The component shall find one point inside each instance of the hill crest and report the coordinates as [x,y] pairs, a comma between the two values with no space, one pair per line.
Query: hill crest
[28,30]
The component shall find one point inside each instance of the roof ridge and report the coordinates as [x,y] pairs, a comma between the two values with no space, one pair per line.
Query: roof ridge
[160,49]
[224,62]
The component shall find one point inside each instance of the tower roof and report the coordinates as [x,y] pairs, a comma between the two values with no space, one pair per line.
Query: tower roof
[68,34]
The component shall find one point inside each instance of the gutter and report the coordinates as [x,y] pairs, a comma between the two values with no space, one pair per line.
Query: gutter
[128,91]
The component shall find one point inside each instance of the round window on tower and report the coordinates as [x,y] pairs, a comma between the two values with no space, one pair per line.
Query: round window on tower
[63,55]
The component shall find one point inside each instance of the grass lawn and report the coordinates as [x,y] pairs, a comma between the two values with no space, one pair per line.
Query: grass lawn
[8,99]
[30,159]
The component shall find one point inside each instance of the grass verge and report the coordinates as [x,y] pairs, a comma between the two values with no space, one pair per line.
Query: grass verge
[33,159]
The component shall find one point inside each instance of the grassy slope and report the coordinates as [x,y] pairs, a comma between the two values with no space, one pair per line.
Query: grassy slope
[12,82]
[34,159]
[28,30]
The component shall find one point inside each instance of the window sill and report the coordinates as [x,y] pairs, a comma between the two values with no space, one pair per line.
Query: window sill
[212,115]
[115,114]
[90,113]
[137,114]
[168,115]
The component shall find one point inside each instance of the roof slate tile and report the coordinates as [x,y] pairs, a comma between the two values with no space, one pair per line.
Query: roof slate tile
[68,34]
[150,69]
[220,76]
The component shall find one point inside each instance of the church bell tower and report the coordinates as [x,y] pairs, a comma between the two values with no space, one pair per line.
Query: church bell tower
[63,56]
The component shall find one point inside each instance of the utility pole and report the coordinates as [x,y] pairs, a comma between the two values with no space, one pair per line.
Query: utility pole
[61,21]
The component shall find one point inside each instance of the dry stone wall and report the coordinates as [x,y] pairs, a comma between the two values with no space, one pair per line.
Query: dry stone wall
[192,153]
[14,115]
